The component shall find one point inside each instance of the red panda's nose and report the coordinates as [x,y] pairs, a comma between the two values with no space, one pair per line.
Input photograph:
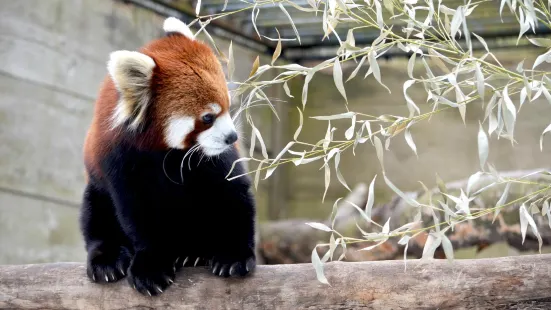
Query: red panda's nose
[231,138]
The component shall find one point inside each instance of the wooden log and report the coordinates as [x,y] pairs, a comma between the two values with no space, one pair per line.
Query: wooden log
[291,241]
[499,283]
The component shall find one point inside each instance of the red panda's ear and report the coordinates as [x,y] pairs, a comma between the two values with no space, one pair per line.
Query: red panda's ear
[174,25]
[131,72]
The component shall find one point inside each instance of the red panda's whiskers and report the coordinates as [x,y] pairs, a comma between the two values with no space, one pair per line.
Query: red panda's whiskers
[164,168]
[201,159]
[189,159]
[191,150]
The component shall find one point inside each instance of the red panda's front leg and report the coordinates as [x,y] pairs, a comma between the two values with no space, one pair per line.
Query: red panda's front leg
[151,272]
[109,253]
[236,255]
[152,269]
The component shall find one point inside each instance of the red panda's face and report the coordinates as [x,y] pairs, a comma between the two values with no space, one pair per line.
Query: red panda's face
[177,85]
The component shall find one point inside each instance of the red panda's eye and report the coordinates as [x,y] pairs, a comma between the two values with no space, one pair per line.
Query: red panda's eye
[208,118]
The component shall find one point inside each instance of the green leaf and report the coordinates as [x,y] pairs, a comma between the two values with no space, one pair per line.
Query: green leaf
[277,50]
[338,172]
[541,58]
[257,173]
[540,42]
[405,241]
[525,219]
[197,7]
[255,66]
[362,213]
[337,77]
[309,77]
[290,20]
[447,246]
[327,138]
[520,66]
[335,116]
[473,180]
[411,64]
[319,226]
[501,201]
[431,244]
[370,198]
[259,137]
[231,62]
[287,90]
[509,113]
[374,66]
[411,105]
[482,147]
[482,41]
[457,20]
[353,74]
[278,157]
[386,227]
[379,149]
[253,17]
[327,180]
[318,266]
[332,246]
[245,159]
[546,130]
[409,140]
[297,132]
[407,199]
[389,6]
[379,14]
[479,81]
[349,134]
[534,209]
[334,212]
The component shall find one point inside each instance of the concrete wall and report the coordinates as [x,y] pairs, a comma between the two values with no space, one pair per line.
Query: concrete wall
[52,60]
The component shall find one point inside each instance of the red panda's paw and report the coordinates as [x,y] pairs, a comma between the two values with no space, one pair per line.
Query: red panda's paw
[224,267]
[108,265]
[190,261]
[150,278]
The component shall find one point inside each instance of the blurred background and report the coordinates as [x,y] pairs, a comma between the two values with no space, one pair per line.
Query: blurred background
[53,57]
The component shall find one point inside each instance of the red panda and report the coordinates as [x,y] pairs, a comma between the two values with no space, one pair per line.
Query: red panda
[157,153]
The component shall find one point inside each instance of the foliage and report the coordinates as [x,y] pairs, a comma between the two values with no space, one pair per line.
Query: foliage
[438,36]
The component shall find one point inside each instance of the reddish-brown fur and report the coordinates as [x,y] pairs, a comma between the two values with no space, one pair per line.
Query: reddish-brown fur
[187,77]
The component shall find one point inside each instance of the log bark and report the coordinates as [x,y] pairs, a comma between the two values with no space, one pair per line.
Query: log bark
[500,283]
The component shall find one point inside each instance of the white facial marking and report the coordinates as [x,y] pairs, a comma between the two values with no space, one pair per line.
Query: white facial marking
[212,140]
[215,108]
[173,24]
[177,129]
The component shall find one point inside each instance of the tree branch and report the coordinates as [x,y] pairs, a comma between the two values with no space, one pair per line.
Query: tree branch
[468,284]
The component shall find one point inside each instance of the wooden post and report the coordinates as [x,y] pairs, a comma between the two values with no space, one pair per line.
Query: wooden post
[499,283]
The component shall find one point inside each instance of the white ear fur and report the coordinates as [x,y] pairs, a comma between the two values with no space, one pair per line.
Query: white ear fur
[131,72]
[173,24]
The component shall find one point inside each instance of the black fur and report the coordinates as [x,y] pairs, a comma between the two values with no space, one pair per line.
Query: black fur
[139,221]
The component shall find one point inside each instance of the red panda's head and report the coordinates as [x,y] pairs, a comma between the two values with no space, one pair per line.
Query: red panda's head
[174,86]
